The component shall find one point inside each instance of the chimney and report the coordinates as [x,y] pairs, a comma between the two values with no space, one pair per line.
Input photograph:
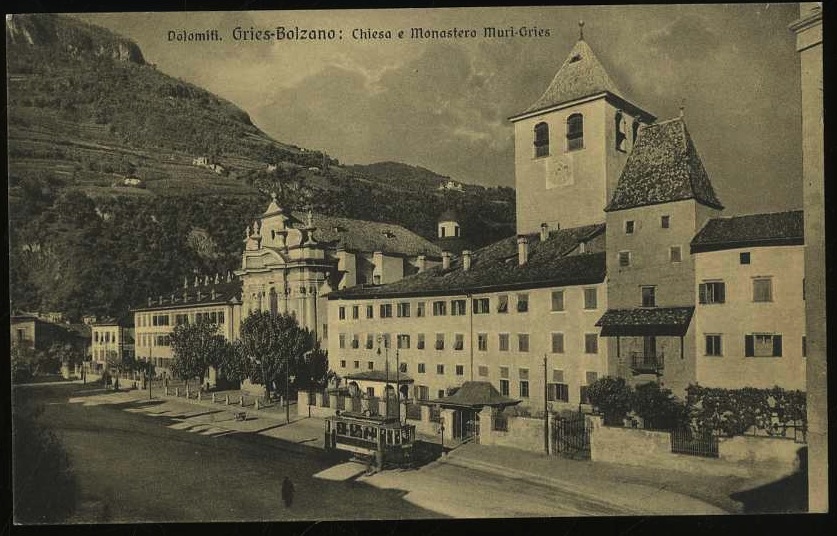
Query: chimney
[446,260]
[522,250]
[466,260]
[160,300]
[213,293]
[544,232]
[149,301]
[421,262]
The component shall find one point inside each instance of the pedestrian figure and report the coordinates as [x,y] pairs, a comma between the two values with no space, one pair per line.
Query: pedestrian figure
[287,492]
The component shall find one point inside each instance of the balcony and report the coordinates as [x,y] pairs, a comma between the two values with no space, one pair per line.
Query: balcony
[642,363]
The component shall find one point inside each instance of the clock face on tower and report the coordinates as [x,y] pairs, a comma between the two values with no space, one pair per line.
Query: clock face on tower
[559,171]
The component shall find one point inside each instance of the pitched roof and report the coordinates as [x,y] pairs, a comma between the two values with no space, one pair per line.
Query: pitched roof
[475,395]
[771,229]
[495,267]
[581,75]
[646,321]
[369,236]
[225,292]
[664,166]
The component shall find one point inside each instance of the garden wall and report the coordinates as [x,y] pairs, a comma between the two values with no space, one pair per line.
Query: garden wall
[523,433]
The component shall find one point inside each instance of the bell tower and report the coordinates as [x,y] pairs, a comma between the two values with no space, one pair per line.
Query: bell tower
[571,145]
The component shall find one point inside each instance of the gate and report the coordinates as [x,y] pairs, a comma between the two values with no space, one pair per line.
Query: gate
[571,437]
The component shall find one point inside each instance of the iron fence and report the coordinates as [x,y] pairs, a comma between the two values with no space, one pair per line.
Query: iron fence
[687,441]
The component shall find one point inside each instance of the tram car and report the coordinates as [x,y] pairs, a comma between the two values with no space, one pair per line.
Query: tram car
[384,441]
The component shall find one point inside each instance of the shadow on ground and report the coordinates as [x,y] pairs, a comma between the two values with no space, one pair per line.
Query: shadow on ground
[786,495]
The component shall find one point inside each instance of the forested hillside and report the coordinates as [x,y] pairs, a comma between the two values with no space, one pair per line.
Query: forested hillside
[124,180]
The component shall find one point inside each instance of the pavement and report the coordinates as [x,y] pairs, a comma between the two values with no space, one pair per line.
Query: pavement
[607,487]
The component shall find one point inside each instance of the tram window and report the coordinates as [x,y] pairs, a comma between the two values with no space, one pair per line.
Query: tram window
[405,435]
[389,437]
[341,428]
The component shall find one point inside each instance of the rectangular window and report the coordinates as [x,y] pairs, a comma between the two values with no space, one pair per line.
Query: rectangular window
[420,341]
[440,393]
[482,342]
[457,307]
[523,373]
[386,340]
[355,341]
[420,309]
[524,389]
[591,343]
[557,376]
[522,303]
[762,290]
[423,392]
[482,370]
[590,298]
[386,310]
[502,303]
[804,346]
[440,369]
[744,257]
[674,254]
[342,340]
[665,222]
[481,306]
[557,343]
[649,296]
[763,345]
[370,341]
[342,363]
[370,392]
[421,368]
[460,370]
[403,341]
[355,312]
[369,311]
[541,140]
[357,364]
[558,392]
[504,342]
[440,341]
[713,345]
[341,312]
[403,310]
[402,367]
[711,292]
[557,300]
[624,258]
[629,227]
[522,342]
[370,365]
[504,387]
[458,341]
[440,308]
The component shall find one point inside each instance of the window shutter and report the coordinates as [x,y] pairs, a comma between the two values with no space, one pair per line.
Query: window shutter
[777,346]
[721,291]
[748,346]
[702,293]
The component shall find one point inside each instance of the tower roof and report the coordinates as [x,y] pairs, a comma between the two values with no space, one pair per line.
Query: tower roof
[664,166]
[581,75]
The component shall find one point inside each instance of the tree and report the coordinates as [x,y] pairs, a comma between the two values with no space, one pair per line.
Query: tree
[658,407]
[313,372]
[196,347]
[612,397]
[273,347]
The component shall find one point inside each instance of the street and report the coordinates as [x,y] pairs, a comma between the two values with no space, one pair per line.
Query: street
[139,460]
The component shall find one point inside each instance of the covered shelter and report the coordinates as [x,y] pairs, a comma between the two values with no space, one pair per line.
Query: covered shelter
[467,402]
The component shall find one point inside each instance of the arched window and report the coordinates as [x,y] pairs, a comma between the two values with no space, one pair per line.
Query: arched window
[541,140]
[575,132]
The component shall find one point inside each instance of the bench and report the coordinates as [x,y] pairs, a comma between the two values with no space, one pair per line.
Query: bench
[240,415]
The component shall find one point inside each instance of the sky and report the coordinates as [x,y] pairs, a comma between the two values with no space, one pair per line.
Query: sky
[444,104]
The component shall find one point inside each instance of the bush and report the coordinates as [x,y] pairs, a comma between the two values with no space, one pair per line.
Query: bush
[734,411]
[658,407]
[611,397]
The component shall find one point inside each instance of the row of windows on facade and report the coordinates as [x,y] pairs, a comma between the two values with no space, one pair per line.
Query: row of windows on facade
[150,340]
[675,255]
[755,345]
[459,307]
[665,223]
[575,134]
[591,342]
[155,320]
[715,291]
[104,337]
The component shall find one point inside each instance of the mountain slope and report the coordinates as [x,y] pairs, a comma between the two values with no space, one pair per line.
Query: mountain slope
[115,168]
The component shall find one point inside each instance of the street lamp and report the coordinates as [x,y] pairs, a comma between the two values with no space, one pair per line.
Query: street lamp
[386,368]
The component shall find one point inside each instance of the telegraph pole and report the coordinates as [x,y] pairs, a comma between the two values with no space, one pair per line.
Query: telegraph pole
[149,373]
[545,409]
